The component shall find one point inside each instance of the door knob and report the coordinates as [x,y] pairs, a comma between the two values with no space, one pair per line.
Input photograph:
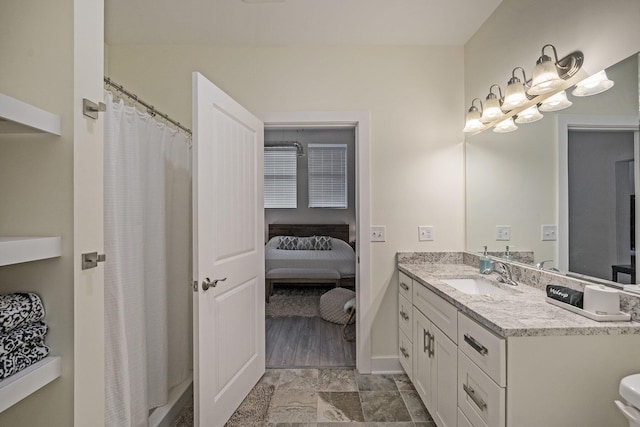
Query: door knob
[207,283]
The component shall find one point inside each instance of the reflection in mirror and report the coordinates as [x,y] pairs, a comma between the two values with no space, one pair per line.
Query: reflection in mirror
[521,180]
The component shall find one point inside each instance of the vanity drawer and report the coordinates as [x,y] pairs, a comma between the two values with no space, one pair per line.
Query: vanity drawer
[405,316]
[405,349]
[405,284]
[480,399]
[462,420]
[439,311]
[484,348]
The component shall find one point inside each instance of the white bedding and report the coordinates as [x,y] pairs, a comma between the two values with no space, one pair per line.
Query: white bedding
[341,257]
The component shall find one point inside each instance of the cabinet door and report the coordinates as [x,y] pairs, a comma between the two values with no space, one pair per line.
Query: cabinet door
[422,363]
[444,379]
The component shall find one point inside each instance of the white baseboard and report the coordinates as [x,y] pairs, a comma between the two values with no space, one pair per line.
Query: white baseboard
[386,365]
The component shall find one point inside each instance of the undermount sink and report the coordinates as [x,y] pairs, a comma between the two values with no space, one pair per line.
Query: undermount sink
[476,286]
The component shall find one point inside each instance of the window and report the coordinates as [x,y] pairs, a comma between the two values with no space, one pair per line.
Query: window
[280,177]
[328,176]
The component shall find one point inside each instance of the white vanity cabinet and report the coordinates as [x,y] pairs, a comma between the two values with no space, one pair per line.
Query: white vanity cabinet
[481,375]
[432,362]
[552,375]
[405,322]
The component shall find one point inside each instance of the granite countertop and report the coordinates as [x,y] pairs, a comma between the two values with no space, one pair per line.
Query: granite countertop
[522,313]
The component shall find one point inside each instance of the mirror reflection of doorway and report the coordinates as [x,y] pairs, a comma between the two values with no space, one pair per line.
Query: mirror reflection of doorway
[601,214]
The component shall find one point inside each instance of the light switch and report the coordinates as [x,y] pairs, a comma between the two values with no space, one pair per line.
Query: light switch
[378,233]
[503,232]
[425,233]
[549,232]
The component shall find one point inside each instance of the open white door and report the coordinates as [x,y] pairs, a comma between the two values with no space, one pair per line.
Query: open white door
[228,253]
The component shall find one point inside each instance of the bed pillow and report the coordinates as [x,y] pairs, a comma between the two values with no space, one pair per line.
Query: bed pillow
[306,243]
[322,243]
[289,243]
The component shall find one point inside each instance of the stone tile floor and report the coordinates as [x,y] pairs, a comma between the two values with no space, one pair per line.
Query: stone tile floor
[343,397]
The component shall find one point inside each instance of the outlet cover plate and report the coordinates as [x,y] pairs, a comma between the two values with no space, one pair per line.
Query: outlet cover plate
[425,233]
[378,233]
[549,232]
[503,232]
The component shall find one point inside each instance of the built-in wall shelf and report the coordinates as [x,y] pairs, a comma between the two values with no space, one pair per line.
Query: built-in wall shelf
[14,250]
[19,117]
[28,381]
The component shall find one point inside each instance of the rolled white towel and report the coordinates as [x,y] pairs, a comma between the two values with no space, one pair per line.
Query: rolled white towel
[350,305]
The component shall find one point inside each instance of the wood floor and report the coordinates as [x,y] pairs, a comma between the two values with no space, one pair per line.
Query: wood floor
[307,342]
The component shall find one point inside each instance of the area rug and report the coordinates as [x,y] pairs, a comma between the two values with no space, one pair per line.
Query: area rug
[252,412]
[302,301]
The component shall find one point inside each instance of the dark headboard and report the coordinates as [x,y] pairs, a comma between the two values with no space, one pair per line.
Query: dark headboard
[338,231]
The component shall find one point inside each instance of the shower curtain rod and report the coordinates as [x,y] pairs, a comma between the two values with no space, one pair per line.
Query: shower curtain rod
[150,108]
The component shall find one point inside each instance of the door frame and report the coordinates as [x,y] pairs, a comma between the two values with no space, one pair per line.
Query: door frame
[567,122]
[361,121]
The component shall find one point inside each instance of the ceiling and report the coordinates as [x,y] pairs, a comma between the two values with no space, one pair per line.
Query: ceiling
[295,22]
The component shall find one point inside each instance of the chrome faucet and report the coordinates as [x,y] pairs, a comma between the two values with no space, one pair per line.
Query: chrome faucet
[504,274]
[540,265]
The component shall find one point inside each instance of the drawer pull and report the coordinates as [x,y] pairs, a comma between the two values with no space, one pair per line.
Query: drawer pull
[427,342]
[476,345]
[404,315]
[432,344]
[404,286]
[472,394]
[404,352]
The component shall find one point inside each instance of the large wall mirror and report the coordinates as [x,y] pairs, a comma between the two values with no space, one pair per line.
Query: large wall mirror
[575,170]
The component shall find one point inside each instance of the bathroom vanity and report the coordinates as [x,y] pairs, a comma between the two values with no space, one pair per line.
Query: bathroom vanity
[507,358]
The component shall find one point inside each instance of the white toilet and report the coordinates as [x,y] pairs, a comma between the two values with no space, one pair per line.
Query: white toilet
[630,391]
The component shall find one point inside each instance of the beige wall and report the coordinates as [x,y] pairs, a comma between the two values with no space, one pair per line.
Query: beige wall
[512,178]
[36,184]
[416,143]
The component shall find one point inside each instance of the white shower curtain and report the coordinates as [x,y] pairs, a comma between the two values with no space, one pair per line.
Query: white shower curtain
[147,209]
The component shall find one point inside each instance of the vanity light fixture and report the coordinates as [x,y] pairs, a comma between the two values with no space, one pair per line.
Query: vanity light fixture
[491,110]
[514,94]
[524,99]
[472,122]
[556,102]
[592,85]
[507,125]
[549,76]
[529,115]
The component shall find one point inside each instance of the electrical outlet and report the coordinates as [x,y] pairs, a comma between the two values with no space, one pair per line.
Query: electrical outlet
[503,232]
[549,232]
[425,233]
[378,233]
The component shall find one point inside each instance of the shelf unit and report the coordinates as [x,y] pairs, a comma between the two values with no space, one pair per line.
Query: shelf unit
[19,117]
[28,381]
[14,250]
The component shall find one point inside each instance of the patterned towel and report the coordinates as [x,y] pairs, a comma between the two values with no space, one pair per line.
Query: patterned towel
[22,336]
[22,358]
[19,309]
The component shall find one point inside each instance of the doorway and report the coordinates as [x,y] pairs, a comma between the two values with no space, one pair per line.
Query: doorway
[359,121]
[310,182]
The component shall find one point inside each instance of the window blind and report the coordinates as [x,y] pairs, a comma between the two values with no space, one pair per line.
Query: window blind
[327,175]
[280,177]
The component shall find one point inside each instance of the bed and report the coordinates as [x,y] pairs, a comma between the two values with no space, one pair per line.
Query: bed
[336,266]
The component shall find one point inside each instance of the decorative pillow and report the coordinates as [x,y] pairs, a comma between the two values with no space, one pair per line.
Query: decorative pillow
[306,243]
[322,243]
[289,243]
